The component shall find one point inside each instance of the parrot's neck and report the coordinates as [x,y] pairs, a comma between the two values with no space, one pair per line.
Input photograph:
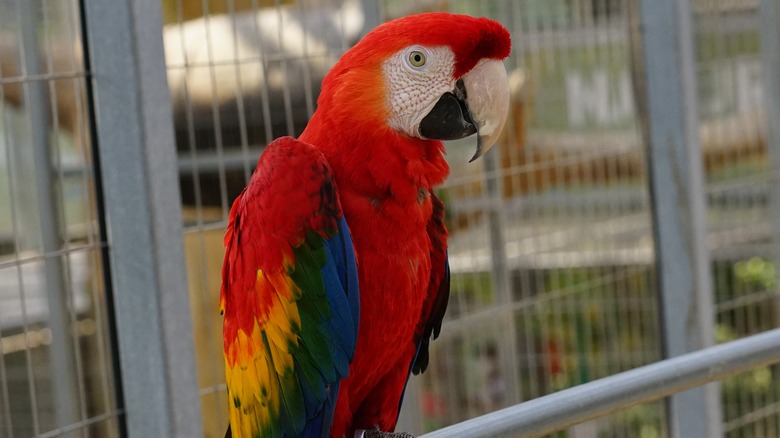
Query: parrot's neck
[379,163]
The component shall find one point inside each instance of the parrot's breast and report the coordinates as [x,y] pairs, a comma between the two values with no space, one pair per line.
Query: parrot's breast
[385,182]
[394,266]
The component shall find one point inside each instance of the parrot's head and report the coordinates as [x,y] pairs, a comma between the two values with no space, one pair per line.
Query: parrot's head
[434,76]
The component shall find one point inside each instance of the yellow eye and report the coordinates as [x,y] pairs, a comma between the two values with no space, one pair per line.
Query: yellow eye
[417,58]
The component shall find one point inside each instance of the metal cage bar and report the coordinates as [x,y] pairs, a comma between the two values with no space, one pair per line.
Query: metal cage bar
[770,54]
[62,355]
[594,399]
[134,133]
[677,194]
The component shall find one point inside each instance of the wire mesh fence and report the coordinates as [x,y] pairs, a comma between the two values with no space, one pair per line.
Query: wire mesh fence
[554,280]
[551,247]
[554,276]
[581,302]
[56,369]
[734,142]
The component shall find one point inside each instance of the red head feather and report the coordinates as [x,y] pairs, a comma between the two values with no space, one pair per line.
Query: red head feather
[470,38]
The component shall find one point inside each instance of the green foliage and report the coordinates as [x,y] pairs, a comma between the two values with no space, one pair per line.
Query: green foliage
[593,316]
[756,272]
[642,421]
[745,289]
[469,291]
[712,46]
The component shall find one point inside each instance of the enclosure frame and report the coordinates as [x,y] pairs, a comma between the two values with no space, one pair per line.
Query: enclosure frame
[138,181]
[141,205]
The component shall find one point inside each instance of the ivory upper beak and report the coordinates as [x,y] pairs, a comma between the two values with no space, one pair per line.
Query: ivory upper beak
[487,97]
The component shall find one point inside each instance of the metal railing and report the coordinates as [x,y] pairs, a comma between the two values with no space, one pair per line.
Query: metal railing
[584,402]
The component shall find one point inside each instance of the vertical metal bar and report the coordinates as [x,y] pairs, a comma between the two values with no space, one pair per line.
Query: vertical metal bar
[13,181]
[372,14]
[135,141]
[62,358]
[107,325]
[770,59]
[678,201]
[410,418]
[501,278]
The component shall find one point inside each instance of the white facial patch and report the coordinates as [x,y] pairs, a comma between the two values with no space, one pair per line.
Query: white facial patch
[416,77]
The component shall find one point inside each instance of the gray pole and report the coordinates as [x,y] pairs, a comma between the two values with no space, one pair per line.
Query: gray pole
[679,205]
[135,144]
[62,359]
[501,278]
[372,13]
[770,57]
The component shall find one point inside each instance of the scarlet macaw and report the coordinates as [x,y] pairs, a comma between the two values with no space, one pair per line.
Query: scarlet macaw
[335,274]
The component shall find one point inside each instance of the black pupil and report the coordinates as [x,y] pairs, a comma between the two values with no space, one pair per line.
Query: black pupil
[417,57]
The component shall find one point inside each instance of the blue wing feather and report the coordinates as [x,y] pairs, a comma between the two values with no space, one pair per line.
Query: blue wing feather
[341,288]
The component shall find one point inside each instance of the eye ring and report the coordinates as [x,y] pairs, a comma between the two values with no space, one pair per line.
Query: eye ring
[417,58]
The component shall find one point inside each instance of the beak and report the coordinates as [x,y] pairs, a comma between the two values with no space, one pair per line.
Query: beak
[478,105]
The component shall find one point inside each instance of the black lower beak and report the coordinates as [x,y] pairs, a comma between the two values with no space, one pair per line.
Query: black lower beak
[449,119]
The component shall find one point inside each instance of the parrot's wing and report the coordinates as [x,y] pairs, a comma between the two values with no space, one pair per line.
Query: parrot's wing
[289,296]
[438,288]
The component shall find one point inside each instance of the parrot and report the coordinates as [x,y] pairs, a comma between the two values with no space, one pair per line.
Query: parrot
[336,274]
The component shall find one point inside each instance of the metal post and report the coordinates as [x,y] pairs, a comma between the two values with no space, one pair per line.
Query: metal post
[410,418]
[502,279]
[372,13]
[62,365]
[678,205]
[770,58]
[137,164]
